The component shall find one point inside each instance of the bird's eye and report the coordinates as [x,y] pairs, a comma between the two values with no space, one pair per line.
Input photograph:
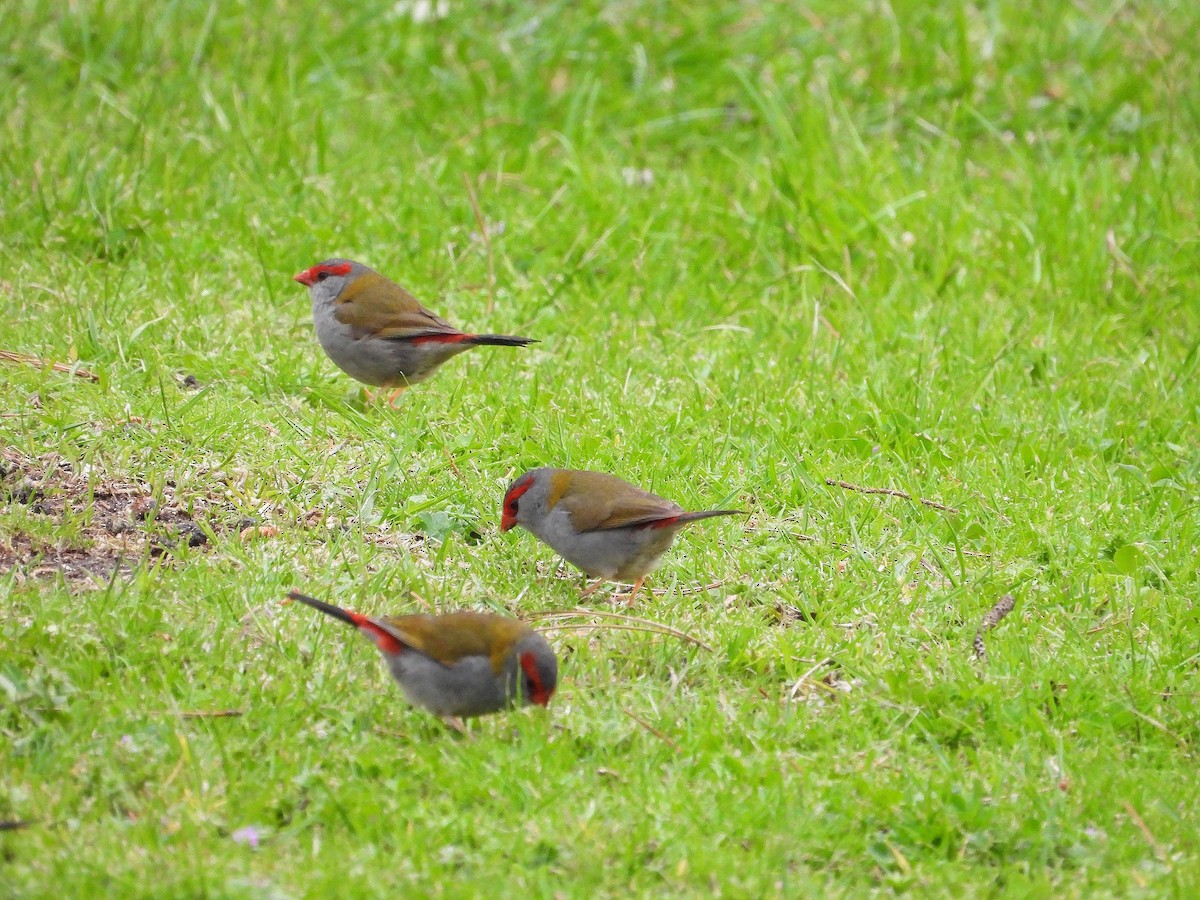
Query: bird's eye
[534,692]
[321,276]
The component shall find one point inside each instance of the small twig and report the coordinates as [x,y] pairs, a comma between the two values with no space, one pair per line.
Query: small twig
[487,242]
[978,554]
[603,626]
[1137,820]
[484,126]
[16,824]
[842,545]
[1152,721]
[453,465]
[683,592]
[1002,608]
[1120,261]
[39,363]
[387,732]
[620,587]
[212,714]
[978,647]
[799,537]
[890,492]
[650,728]
[901,861]
[633,621]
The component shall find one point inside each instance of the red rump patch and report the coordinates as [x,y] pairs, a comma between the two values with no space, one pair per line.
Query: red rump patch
[455,338]
[386,642]
[662,523]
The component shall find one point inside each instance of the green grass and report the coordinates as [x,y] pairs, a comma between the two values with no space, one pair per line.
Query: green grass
[949,249]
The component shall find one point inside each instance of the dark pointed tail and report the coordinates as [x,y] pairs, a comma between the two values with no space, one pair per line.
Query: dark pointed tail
[498,340]
[330,610]
[708,514]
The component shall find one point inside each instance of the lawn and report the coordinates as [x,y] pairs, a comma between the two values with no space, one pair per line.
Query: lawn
[775,254]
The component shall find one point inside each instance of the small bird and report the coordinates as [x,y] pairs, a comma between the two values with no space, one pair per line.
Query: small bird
[607,527]
[459,664]
[376,332]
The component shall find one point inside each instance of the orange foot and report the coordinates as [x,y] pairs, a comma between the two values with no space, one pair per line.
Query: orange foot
[628,598]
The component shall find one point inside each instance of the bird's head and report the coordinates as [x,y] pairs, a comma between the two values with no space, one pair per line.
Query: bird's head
[327,279]
[539,669]
[511,509]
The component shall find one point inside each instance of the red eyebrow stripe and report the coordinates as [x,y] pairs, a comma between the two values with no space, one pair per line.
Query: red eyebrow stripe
[540,695]
[518,490]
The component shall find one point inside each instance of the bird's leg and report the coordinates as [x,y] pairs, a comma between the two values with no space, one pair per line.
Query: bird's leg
[455,723]
[591,589]
[628,598]
[395,395]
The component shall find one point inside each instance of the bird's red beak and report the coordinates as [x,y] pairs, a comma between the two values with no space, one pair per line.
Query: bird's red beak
[507,522]
[306,277]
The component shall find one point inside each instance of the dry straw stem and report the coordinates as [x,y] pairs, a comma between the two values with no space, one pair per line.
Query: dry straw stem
[890,492]
[1137,820]
[697,589]
[650,728]
[212,714]
[487,242]
[1150,720]
[39,363]
[625,623]
[796,688]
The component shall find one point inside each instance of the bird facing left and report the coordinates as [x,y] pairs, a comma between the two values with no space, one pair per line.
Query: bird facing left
[376,331]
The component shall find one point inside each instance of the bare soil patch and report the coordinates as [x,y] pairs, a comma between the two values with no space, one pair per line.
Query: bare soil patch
[106,524]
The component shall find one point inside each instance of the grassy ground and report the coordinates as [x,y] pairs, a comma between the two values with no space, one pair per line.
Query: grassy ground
[948,249]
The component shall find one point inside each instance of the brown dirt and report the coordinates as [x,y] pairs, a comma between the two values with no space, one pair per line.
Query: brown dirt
[114,524]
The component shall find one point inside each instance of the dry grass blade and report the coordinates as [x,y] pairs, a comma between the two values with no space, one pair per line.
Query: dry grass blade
[650,728]
[1002,608]
[212,714]
[605,626]
[1150,720]
[889,492]
[1137,820]
[39,363]
[683,592]
[626,623]
[795,690]
[486,237]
